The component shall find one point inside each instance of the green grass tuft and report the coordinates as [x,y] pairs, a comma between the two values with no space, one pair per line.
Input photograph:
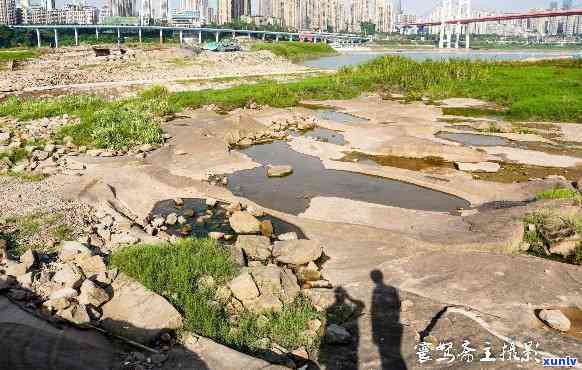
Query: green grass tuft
[173,270]
[294,50]
[557,193]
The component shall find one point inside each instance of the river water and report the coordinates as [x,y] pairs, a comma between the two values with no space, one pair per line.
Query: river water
[350,58]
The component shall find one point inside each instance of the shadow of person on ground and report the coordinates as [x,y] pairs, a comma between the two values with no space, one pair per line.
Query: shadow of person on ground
[345,311]
[386,327]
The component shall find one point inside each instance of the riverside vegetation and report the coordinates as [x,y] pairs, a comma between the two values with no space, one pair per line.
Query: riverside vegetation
[295,51]
[543,91]
[172,272]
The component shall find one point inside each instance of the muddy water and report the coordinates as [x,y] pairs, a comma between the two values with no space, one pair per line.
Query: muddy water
[413,164]
[293,193]
[473,139]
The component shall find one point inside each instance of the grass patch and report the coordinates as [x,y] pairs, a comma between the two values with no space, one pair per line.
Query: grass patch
[558,193]
[294,50]
[546,225]
[18,54]
[173,271]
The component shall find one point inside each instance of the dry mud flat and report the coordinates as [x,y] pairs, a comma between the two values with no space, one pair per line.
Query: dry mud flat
[416,274]
[79,66]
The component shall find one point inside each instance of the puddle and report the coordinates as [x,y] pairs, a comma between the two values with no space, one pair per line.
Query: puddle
[413,164]
[473,139]
[216,219]
[325,135]
[334,115]
[292,194]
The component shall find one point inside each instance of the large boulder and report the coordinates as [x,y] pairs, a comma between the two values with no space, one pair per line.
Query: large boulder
[70,250]
[243,287]
[69,276]
[268,279]
[255,247]
[138,313]
[290,286]
[91,294]
[263,304]
[556,319]
[297,252]
[244,223]
[279,171]
[91,265]
[335,334]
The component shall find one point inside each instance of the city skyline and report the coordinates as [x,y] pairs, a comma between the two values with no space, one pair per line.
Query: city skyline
[418,7]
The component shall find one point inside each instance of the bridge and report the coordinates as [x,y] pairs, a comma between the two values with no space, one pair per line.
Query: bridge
[461,22]
[217,32]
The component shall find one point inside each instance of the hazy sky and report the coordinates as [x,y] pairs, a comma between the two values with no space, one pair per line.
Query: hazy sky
[422,7]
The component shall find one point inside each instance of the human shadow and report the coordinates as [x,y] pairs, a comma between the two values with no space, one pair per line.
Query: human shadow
[386,327]
[345,311]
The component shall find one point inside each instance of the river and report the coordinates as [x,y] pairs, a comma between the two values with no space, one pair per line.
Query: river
[346,58]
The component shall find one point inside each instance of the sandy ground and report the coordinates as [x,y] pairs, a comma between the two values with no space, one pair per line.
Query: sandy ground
[79,66]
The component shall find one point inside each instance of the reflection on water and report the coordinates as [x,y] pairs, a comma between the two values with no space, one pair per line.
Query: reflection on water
[355,58]
[334,115]
[292,194]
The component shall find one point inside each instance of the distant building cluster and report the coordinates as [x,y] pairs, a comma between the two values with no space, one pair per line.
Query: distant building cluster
[526,28]
[318,15]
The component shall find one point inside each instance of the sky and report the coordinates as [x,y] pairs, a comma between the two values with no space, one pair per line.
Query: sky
[419,7]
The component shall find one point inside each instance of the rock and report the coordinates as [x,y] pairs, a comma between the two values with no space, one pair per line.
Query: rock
[555,319]
[91,294]
[314,325]
[158,222]
[256,248]
[16,269]
[237,255]
[255,211]
[297,252]
[120,239]
[179,202]
[267,228]
[244,223]
[289,284]
[317,284]
[28,259]
[41,155]
[76,314]
[3,250]
[69,276]
[25,280]
[182,220]
[288,236]
[243,287]
[211,202]
[565,248]
[263,304]
[301,352]
[146,148]
[216,235]
[70,250]
[335,334]
[268,279]
[57,304]
[104,232]
[137,313]
[478,167]
[91,265]
[406,305]
[309,272]
[4,138]
[171,219]
[279,171]
[108,153]
[188,212]
[75,165]
[67,293]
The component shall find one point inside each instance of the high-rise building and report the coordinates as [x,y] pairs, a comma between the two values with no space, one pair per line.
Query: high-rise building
[153,11]
[124,8]
[240,8]
[7,12]
[224,14]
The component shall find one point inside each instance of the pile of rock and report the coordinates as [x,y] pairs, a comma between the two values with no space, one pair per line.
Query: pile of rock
[277,130]
[77,286]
